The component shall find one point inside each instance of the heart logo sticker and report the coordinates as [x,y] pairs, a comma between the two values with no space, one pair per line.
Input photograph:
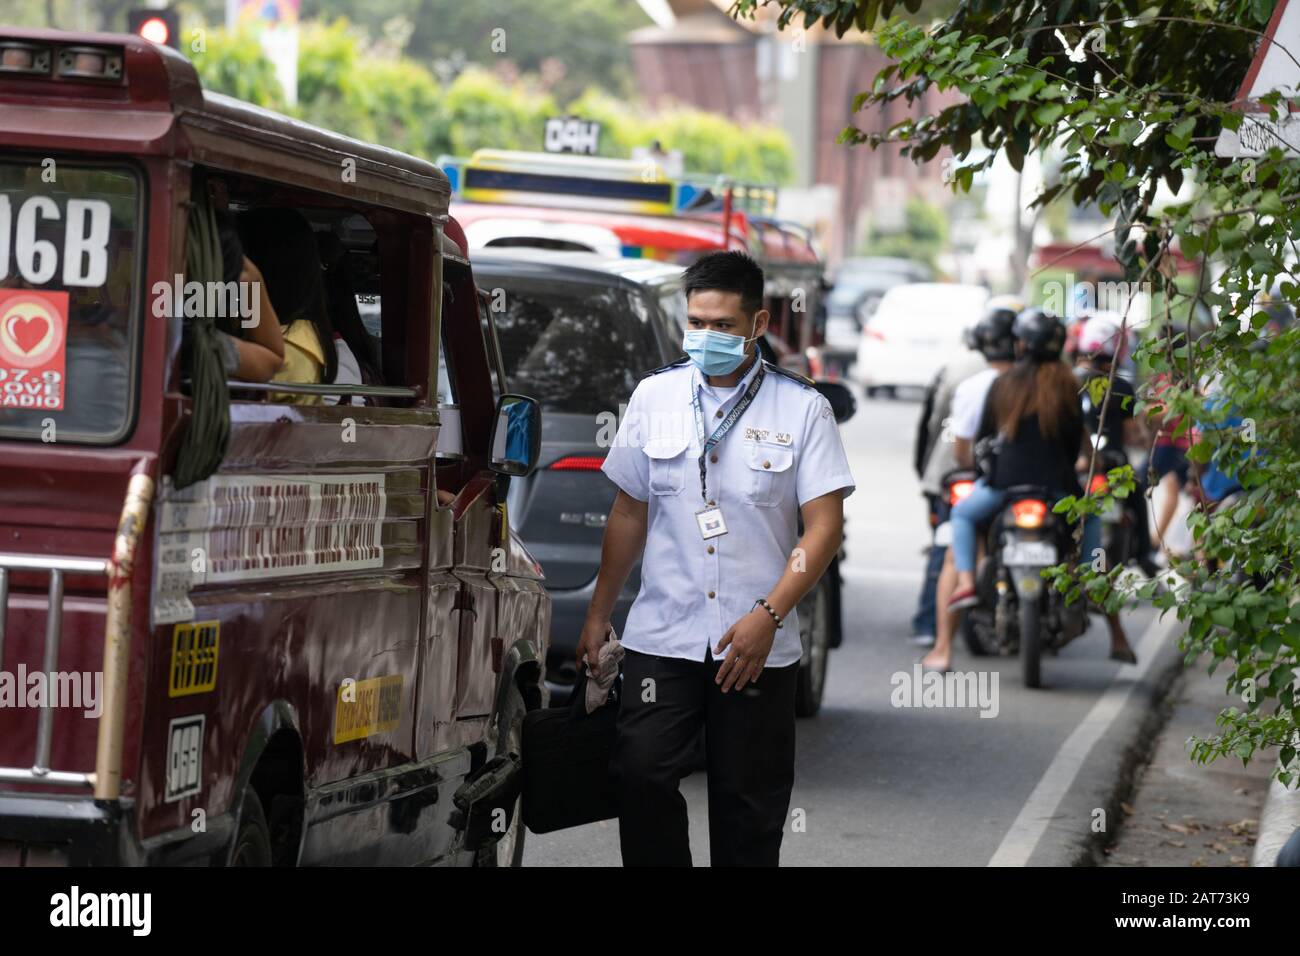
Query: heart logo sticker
[28,331]
[33,329]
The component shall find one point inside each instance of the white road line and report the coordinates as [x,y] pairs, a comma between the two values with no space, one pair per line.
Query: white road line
[1031,824]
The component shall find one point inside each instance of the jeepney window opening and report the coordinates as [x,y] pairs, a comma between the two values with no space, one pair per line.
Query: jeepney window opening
[364,253]
[446,387]
[446,370]
[72,251]
[468,362]
[450,431]
[492,343]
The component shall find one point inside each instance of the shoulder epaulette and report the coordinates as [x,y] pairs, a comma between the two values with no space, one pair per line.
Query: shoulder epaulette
[663,368]
[788,373]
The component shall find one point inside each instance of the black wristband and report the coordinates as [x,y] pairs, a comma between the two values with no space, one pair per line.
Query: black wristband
[770,610]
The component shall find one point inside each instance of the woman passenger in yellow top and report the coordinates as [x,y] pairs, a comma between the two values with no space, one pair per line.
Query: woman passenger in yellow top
[283,245]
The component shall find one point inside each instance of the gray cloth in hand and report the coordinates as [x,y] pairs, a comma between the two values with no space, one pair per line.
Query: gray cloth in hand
[599,683]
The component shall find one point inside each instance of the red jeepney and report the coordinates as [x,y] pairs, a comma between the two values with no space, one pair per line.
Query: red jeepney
[317,648]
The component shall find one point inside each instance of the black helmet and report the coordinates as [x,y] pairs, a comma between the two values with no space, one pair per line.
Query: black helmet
[991,336]
[1041,333]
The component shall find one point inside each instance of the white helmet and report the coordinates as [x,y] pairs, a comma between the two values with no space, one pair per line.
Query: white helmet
[1100,336]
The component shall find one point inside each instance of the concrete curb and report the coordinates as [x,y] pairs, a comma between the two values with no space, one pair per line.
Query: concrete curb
[1106,775]
[1149,709]
[1277,821]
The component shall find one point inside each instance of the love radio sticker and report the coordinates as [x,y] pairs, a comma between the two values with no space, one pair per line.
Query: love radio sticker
[33,347]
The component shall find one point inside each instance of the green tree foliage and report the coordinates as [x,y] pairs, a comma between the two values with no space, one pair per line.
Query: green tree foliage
[1135,93]
[485,112]
[346,84]
[585,37]
[233,63]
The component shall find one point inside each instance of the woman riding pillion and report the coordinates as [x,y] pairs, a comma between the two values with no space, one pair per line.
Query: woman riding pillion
[1034,409]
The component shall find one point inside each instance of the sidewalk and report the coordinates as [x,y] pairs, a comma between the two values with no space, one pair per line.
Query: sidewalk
[1185,814]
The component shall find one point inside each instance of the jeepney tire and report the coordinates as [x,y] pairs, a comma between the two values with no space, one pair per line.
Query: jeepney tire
[810,686]
[253,840]
[509,850]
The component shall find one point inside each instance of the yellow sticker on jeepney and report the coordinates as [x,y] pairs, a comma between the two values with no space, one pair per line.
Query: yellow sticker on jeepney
[367,707]
[194,658]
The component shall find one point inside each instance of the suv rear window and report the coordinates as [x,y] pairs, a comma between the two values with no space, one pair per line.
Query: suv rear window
[574,346]
[70,238]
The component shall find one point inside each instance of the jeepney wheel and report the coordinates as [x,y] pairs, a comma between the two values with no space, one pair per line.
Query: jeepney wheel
[814,633]
[509,850]
[253,842]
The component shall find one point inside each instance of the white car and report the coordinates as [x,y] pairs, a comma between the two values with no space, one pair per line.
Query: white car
[915,331]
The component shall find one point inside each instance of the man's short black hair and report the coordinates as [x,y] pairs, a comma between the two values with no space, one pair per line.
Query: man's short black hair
[730,271]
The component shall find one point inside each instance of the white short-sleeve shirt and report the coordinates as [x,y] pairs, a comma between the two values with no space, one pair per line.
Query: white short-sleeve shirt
[784,451]
[968,403]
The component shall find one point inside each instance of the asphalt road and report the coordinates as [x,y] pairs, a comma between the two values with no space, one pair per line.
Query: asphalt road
[877,784]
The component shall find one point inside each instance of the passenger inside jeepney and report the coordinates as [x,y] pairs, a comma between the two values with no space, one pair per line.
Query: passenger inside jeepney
[281,242]
[252,352]
[357,349]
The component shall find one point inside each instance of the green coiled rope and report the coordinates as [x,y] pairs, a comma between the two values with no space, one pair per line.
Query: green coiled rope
[204,443]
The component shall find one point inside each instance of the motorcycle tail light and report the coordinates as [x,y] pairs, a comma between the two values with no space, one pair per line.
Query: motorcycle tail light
[959,491]
[1098,485]
[1029,513]
[577,463]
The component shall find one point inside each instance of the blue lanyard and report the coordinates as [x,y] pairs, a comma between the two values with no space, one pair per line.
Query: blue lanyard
[720,432]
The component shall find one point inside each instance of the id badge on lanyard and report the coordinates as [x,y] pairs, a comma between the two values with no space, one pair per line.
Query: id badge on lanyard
[709,518]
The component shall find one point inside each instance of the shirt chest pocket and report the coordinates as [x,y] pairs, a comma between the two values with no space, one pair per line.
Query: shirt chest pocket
[667,459]
[770,474]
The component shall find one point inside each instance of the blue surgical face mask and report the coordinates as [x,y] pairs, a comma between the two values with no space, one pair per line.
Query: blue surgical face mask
[715,353]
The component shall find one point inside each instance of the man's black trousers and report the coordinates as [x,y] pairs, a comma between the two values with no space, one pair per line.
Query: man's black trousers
[749,741]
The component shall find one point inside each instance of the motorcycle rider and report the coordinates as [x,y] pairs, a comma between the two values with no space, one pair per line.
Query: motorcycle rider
[1101,345]
[948,422]
[1034,409]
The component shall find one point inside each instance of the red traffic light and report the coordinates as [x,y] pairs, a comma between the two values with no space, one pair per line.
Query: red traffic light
[157,26]
[155,30]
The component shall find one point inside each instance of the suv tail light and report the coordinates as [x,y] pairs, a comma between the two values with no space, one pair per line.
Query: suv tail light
[578,463]
[1029,513]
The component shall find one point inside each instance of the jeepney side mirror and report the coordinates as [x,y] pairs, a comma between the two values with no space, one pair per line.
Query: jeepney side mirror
[516,435]
[843,404]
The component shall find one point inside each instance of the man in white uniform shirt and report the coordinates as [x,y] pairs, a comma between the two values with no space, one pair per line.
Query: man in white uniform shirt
[718,457]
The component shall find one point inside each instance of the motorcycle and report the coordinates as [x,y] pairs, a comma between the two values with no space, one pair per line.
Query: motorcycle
[1018,612]
[1119,537]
